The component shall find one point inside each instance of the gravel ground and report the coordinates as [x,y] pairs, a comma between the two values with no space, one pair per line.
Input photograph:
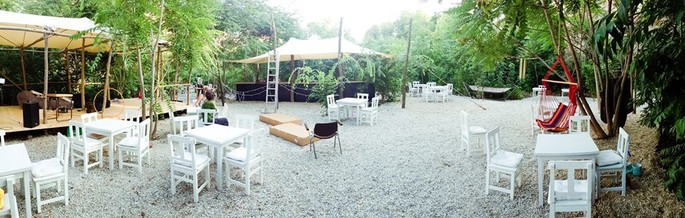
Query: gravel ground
[407,165]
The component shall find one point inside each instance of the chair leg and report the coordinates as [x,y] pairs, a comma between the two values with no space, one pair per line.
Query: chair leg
[120,159]
[487,181]
[511,186]
[85,162]
[173,185]
[339,144]
[314,148]
[38,201]
[246,172]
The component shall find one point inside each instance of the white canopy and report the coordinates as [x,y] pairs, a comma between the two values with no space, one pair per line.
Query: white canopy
[26,30]
[313,49]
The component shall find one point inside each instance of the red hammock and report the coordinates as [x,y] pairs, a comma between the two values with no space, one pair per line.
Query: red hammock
[559,121]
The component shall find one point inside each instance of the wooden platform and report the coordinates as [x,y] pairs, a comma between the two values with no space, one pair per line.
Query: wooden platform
[11,117]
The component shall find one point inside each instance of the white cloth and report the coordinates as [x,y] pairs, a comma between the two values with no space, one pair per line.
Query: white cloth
[47,167]
[608,157]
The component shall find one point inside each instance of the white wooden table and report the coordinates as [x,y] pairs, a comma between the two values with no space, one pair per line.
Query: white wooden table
[218,137]
[109,128]
[353,102]
[574,146]
[14,160]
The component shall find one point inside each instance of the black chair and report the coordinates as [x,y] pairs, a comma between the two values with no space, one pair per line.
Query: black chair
[324,131]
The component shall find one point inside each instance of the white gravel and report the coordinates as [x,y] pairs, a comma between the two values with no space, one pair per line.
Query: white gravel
[407,165]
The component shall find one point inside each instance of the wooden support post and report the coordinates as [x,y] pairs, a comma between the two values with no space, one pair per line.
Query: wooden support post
[23,68]
[406,62]
[83,75]
[45,78]
[66,68]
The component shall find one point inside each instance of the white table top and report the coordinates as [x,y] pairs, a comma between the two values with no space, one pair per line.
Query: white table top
[14,159]
[109,125]
[574,144]
[351,101]
[217,134]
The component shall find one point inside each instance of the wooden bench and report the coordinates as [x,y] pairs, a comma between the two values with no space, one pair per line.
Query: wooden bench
[292,132]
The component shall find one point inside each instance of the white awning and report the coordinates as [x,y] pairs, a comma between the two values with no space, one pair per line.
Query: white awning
[314,49]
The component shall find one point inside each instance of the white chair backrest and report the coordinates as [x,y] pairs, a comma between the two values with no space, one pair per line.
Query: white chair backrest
[623,144]
[450,86]
[330,100]
[492,145]
[464,124]
[63,149]
[414,83]
[580,123]
[132,115]
[9,208]
[363,96]
[255,141]
[77,132]
[431,83]
[182,151]
[2,137]
[206,116]
[374,102]
[572,189]
[244,121]
[143,132]
[89,117]
[185,123]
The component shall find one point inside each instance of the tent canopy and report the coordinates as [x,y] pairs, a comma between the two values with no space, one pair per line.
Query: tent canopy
[313,49]
[26,30]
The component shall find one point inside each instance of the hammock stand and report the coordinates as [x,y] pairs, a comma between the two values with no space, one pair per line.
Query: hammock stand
[559,120]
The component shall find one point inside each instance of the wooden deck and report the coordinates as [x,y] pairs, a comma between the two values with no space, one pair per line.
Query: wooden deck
[11,117]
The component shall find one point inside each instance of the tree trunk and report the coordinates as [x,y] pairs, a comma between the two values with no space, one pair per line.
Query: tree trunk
[141,80]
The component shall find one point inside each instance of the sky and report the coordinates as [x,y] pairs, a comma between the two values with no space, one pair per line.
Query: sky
[358,15]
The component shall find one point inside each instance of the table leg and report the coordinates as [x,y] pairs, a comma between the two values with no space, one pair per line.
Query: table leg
[540,175]
[27,193]
[358,115]
[110,153]
[219,168]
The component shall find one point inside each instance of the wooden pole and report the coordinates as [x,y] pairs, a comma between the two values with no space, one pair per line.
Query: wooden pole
[341,74]
[23,68]
[292,81]
[406,63]
[105,95]
[83,75]
[45,78]
[66,68]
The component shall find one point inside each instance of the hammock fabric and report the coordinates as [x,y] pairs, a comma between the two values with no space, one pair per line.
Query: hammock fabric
[559,121]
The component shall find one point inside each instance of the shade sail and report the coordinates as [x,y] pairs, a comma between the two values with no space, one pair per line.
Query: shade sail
[26,30]
[314,49]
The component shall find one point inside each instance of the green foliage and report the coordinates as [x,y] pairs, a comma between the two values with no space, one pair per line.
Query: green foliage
[658,70]
[326,83]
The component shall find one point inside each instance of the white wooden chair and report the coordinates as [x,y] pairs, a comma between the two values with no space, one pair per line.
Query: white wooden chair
[369,114]
[9,207]
[2,137]
[184,123]
[579,124]
[333,109]
[571,193]
[364,96]
[242,121]
[430,94]
[53,172]
[136,146]
[206,116]
[613,163]
[82,146]
[468,132]
[90,117]
[245,121]
[186,164]
[249,159]
[415,89]
[500,162]
[445,94]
